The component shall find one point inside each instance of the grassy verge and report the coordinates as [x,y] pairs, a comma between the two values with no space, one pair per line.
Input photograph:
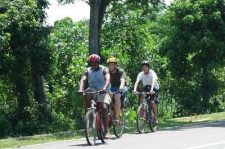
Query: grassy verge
[38,139]
[192,119]
[21,141]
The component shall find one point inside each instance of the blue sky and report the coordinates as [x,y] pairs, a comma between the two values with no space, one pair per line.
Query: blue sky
[77,11]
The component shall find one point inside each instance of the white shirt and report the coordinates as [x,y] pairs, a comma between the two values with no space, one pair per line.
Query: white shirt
[147,79]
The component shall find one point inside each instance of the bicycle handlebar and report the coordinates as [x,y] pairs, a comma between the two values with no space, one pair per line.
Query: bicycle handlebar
[143,93]
[94,92]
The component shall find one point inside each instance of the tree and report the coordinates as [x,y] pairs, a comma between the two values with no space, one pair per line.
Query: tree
[21,37]
[193,41]
[97,13]
[68,42]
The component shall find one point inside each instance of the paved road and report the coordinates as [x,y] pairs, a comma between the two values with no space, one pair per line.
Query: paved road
[210,135]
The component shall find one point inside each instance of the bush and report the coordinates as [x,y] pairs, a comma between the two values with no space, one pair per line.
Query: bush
[5,126]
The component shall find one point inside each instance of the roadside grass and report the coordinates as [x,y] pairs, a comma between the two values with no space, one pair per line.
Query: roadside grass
[38,139]
[192,119]
[131,128]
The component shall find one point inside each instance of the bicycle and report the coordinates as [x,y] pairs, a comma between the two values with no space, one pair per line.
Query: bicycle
[118,128]
[94,127]
[144,113]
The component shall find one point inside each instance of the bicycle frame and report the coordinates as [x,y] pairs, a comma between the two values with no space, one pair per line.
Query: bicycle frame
[144,113]
[93,113]
[119,127]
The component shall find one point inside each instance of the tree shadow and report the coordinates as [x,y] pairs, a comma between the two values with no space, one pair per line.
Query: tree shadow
[182,126]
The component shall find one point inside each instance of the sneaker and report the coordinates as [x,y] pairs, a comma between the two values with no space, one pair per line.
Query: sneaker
[116,121]
[155,121]
[105,134]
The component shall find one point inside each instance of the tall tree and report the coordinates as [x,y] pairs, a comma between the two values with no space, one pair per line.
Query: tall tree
[97,13]
[21,31]
[194,42]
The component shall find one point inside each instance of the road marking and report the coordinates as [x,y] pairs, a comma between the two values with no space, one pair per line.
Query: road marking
[207,145]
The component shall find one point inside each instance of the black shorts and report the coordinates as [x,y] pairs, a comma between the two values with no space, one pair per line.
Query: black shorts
[155,96]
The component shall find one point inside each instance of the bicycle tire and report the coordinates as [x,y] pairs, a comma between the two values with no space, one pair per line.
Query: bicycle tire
[152,125]
[90,127]
[118,129]
[141,118]
[100,127]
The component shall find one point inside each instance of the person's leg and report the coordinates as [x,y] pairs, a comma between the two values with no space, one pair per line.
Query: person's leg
[117,106]
[104,108]
[154,109]
[104,100]
[117,103]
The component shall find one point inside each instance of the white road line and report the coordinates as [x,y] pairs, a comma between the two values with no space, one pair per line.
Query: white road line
[207,145]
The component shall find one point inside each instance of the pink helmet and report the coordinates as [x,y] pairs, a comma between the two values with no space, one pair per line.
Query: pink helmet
[94,58]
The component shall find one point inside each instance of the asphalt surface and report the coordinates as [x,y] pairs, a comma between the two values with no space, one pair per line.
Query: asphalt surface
[205,135]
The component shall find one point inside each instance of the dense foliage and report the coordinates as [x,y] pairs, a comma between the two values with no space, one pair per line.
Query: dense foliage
[40,66]
[193,41]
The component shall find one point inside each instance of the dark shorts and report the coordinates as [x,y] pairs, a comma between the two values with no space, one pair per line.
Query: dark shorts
[115,89]
[155,96]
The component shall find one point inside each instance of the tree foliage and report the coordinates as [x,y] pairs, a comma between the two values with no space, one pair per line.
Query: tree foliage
[193,41]
[40,66]
[68,43]
[21,37]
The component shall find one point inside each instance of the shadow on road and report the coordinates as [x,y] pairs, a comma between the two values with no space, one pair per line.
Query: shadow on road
[197,125]
[88,146]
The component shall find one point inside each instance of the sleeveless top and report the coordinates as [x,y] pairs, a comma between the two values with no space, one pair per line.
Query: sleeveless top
[96,79]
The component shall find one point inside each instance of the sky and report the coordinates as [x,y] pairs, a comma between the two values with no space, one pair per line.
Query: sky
[77,11]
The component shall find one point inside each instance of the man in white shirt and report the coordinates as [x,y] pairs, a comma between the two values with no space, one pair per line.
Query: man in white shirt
[149,79]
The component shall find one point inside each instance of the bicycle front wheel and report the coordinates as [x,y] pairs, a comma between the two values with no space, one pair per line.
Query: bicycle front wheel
[141,118]
[90,127]
[152,124]
[118,128]
[100,127]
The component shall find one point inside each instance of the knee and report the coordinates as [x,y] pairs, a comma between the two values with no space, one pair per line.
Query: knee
[104,107]
[152,102]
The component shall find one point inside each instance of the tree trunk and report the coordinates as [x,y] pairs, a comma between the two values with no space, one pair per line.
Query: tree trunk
[22,99]
[21,88]
[97,11]
[205,86]
[39,95]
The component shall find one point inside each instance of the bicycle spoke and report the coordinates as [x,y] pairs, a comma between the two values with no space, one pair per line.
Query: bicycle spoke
[141,119]
[119,127]
[90,128]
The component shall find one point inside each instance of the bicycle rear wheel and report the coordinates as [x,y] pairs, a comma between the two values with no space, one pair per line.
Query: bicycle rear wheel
[90,127]
[141,118]
[119,127]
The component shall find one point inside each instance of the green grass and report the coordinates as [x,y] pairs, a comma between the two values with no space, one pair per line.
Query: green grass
[21,141]
[192,119]
[37,139]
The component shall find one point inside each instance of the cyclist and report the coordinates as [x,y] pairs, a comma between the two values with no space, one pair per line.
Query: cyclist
[98,79]
[150,84]
[117,80]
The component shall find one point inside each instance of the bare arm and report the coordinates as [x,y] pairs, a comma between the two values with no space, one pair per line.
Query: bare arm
[154,78]
[152,85]
[107,78]
[122,79]
[122,83]
[135,85]
[82,82]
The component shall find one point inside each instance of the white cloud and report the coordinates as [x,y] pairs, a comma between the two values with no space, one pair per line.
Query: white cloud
[77,11]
